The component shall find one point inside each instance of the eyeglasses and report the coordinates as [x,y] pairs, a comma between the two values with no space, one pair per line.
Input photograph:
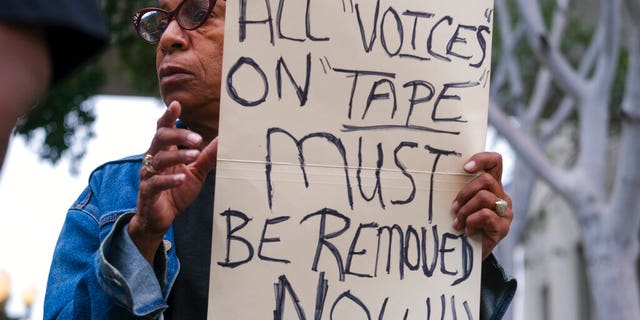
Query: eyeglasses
[150,23]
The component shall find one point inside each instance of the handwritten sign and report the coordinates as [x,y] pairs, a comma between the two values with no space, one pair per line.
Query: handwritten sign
[344,128]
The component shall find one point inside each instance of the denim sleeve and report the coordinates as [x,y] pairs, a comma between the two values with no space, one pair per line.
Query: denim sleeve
[129,277]
[83,285]
[497,290]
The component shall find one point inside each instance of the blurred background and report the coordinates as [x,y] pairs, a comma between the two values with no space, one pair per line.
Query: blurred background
[565,99]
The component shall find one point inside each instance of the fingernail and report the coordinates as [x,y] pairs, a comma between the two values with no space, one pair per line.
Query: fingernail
[456,224]
[193,137]
[192,153]
[455,206]
[179,177]
[470,165]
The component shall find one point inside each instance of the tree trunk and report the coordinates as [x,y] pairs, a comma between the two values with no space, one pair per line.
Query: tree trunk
[611,271]
[608,215]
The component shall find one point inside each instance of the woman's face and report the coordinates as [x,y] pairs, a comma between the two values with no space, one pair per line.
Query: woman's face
[189,67]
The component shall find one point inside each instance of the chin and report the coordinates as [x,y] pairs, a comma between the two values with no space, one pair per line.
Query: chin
[182,96]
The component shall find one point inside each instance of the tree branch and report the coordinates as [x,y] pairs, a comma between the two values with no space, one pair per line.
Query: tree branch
[543,81]
[610,46]
[530,152]
[568,103]
[624,203]
[561,70]
[509,42]
[594,104]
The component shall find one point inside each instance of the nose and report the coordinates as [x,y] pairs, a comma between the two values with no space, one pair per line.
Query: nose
[173,38]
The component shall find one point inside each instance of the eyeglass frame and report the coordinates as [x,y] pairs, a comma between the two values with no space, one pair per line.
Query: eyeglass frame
[173,14]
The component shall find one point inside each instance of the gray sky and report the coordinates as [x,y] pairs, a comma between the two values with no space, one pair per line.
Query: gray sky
[35,195]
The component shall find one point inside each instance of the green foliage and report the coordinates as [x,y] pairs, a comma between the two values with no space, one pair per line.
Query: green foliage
[63,113]
[136,56]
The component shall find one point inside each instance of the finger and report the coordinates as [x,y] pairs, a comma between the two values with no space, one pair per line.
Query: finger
[482,182]
[151,188]
[166,138]
[492,227]
[147,170]
[490,162]
[155,216]
[482,220]
[167,159]
[494,223]
[207,159]
[167,120]
[481,200]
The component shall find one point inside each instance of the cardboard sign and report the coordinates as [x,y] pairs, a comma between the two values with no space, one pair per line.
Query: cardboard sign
[344,128]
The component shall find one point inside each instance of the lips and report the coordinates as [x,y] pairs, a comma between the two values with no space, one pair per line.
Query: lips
[173,73]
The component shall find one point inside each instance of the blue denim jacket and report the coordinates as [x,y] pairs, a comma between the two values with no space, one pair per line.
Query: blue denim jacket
[97,272]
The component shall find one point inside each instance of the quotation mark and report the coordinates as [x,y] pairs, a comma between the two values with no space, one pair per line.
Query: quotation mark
[487,14]
[344,6]
[324,68]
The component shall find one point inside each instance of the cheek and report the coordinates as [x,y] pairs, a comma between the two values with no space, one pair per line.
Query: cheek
[213,64]
[215,77]
[158,59]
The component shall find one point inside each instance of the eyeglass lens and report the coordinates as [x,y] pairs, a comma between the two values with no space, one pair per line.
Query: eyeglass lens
[190,14]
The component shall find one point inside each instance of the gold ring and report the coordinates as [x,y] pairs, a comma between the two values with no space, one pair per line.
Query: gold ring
[146,162]
[501,207]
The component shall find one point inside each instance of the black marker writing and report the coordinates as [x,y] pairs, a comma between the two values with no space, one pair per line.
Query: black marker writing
[323,237]
[347,295]
[350,300]
[280,22]
[260,80]
[438,153]
[378,188]
[415,85]
[353,252]
[356,74]
[422,92]
[231,89]
[302,93]
[231,237]
[403,169]
[444,96]
[282,288]
[333,140]
[264,240]
[243,22]
[392,24]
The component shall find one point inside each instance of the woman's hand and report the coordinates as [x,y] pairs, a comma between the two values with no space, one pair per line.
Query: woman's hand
[475,205]
[169,181]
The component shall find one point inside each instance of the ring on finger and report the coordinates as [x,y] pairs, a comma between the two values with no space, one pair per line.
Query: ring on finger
[501,207]
[146,162]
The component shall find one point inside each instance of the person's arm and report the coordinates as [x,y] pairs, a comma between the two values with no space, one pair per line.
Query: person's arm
[25,76]
[497,290]
[476,212]
[139,285]
[97,272]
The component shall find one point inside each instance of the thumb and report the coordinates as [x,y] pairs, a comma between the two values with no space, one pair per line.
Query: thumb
[490,162]
[207,159]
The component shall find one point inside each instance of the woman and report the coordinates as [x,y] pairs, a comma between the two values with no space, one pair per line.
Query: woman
[137,241]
